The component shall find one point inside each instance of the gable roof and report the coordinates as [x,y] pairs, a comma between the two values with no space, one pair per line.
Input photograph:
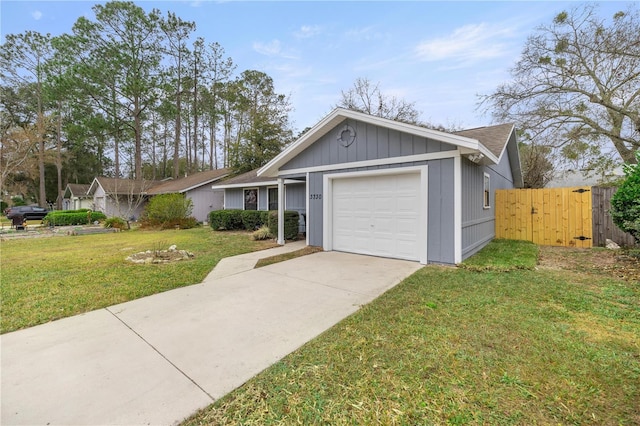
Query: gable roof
[188,183]
[467,142]
[76,190]
[116,186]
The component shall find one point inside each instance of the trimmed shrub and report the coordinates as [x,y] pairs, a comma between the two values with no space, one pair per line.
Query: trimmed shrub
[625,203]
[226,220]
[72,217]
[252,219]
[291,219]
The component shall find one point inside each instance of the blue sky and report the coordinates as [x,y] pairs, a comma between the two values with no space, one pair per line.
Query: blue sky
[440,55]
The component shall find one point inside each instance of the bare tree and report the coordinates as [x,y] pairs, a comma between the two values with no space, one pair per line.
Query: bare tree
[367,97]
[577,84]
[23,58]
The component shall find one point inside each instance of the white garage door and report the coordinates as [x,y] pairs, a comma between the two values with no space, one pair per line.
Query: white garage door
[377,215]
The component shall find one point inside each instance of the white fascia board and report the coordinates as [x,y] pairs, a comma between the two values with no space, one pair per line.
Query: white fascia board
[255,184]
[340,114]
[95,182]
[504,148]
[272,167]
[378,162]
[490,158]
[202,184]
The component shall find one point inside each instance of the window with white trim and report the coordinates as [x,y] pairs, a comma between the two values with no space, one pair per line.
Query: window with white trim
[251,199]
[273,198]
[486,196]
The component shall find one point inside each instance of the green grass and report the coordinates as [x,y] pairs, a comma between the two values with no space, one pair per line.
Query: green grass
[455,346]
[504,256]
[44,279]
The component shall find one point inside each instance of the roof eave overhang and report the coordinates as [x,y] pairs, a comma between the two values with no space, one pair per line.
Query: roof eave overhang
[210,181]
[254,184]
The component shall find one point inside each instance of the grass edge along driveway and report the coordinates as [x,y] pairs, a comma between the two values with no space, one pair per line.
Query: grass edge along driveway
[44,279]
[498,341]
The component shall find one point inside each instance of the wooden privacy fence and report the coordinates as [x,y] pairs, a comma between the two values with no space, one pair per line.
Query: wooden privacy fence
[570,217]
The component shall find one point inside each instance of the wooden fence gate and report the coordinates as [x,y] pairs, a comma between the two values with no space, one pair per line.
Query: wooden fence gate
[548,216]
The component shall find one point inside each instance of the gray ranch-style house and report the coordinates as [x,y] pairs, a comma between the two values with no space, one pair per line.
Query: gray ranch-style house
[380,187]
[127,198]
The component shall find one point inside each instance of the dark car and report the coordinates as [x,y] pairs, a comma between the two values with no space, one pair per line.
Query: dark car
[27,212]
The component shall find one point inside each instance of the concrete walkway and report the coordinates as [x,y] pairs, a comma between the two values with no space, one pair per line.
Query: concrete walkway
[157,360]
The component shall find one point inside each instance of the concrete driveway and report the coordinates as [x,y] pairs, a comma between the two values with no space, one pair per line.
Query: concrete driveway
[159,359]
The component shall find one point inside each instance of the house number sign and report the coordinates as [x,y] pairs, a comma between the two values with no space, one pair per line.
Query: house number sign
[315,196]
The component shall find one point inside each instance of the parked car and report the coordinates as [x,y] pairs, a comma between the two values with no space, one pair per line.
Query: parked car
[27,212]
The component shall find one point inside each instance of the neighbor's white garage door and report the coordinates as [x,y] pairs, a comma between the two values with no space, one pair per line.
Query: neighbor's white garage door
[377,215]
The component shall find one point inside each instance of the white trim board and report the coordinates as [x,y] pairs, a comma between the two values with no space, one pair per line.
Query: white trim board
[255,184]
[378,162]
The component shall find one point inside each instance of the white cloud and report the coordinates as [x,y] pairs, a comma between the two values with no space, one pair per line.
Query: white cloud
[364,34]
[467,44]
[36,14]
[272,48]
[307,31]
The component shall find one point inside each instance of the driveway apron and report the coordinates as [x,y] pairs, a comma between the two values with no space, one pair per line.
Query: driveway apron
[158,359]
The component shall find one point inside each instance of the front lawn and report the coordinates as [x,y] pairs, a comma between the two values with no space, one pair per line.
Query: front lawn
[44,279]
[555,343]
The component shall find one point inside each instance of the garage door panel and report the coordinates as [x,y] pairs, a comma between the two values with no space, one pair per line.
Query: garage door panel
[377,215]
[406,226]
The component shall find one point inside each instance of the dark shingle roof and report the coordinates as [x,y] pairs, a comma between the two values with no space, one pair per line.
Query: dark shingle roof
[494,138]
[248,177]
[188,182]
[125,186]
[78,189]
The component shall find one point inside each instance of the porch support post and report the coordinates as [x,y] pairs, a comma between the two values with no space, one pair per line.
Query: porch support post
[281,208]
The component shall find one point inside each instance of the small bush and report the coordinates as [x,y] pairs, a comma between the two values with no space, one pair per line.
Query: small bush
[262,234]
[625,203]
[116,222]
[18,201]
[226,220]
[291,219]
[168,211]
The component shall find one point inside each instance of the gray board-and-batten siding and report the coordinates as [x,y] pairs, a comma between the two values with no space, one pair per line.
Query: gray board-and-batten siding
[373,143]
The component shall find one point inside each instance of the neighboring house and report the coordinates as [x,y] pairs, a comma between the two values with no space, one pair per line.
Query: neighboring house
[380,187]
[198,188]
[571,178]
[250,192]
[123,198]
[76,197]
